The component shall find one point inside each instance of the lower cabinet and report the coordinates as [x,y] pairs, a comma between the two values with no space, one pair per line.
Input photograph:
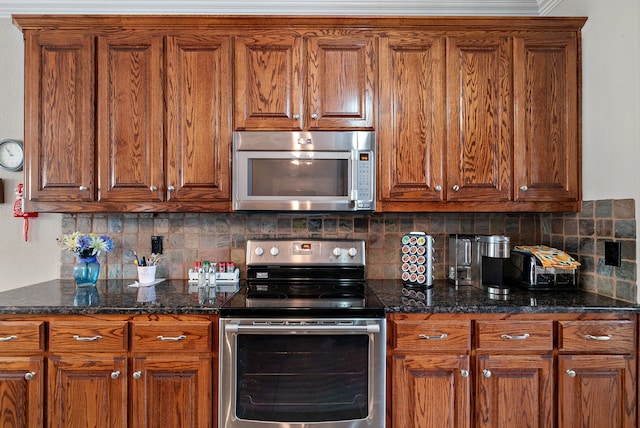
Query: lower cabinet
[553,370]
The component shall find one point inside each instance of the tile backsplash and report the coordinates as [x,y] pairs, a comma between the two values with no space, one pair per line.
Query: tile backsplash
[217,237]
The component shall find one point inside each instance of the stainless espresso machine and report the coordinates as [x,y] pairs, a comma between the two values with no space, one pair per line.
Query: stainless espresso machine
[479,260]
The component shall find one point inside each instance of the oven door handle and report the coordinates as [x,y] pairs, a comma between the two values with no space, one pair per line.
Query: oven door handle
[236,328]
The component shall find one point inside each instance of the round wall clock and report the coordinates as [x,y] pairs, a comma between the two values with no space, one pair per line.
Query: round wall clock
[11,155]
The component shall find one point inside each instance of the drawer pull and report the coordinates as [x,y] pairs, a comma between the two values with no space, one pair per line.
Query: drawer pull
[172,339]
[515,337]
[115,375]
[87,339]
[8,338]
[438,337]
[29,375]
[571,373]
[464,373]
[137,374]
[486,373]
[591,337]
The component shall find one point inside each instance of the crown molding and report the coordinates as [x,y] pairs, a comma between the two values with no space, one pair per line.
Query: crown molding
[281,7]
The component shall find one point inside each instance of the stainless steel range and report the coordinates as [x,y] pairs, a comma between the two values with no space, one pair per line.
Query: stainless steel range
[303,343]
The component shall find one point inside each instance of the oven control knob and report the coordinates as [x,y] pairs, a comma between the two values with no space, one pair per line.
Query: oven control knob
[274,251]
[352,252]
[337,251]
[259,251]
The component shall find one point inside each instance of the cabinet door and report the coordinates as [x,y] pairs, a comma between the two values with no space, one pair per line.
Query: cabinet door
[480,99]
[268,76]
[130,118]
[514,391]
[198,118]
[87,391]
[341,82]
[596,391]
[412,135]
[547,147]
[59,111]
[430,391]
[21,392]
[172,391]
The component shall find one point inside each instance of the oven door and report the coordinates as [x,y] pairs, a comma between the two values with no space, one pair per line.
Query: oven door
[301,373]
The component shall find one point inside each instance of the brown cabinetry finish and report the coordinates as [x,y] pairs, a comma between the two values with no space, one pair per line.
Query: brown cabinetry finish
[21,391]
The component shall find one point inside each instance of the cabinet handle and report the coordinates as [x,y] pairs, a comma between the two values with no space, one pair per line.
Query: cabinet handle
[464,373]
[524,188]
[153,188]
[115,375]
[486,373]
[8,338]
[87,339]
[515,337]
[83,188]
[171,188]
[296,116]
[571,373]
[438,337]
[314,115]
[456,187]
[591,337]
[172,339]
[438,188]
[137,374]
[29,375]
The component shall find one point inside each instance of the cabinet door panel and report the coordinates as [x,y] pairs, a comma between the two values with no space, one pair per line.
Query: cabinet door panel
[480,97]
[59,99]
[547,151]
[198,118]
[21,400]
[268,81]
[130,118]
[412,100]
[597,391]
[172,391]
[341,82]
[87,392]
[431,391]
[514,391]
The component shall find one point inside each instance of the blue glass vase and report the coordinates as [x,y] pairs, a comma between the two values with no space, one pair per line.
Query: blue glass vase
[86,271]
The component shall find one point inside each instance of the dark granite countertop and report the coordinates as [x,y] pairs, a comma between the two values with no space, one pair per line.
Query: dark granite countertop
[444,298]
[180,297]
[114,297]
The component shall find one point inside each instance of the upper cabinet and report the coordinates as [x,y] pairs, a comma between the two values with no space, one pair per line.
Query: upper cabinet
[136,113]
[291,81]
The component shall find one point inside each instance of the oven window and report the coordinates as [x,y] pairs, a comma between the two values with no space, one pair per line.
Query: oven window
[298,177]
[302,378]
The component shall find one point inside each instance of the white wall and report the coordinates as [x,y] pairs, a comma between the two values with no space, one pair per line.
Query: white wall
[38,259]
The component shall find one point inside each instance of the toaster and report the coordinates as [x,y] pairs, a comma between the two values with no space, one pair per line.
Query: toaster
[526,271]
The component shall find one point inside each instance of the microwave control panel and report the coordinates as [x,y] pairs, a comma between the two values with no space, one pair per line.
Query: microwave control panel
[365,180]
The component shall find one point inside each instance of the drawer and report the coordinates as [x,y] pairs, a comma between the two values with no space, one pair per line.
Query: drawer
[161,336]
[81,336]
[515,335]
[603,336]
[433,335]
[21,336]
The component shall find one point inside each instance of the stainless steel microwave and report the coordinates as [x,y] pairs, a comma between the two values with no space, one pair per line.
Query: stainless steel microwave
[304,171]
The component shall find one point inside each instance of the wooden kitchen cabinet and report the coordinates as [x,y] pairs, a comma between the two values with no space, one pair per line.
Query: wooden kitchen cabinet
[290,81]
[22,373]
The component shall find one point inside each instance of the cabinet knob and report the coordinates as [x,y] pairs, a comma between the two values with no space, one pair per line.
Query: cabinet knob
[314,115]
[171,188]
[153,188]
[29,375]
[83,188]
[486,373]
[137,374]
[456,187]
[438,188]
[464,373]
[571,373]
[296,116]
[524,188]
[115,375]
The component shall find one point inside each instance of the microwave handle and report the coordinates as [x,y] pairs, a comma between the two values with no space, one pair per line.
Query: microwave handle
[353,195]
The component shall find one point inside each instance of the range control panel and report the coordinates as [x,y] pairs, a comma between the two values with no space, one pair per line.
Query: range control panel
[305,252]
